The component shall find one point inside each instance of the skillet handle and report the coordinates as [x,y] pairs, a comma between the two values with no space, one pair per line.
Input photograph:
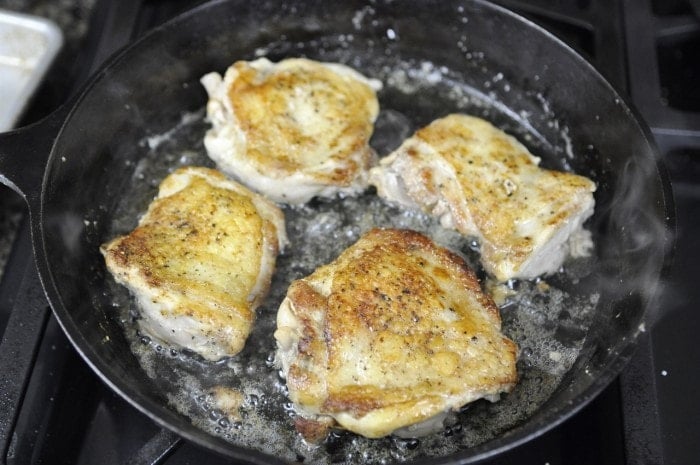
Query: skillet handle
[24,153]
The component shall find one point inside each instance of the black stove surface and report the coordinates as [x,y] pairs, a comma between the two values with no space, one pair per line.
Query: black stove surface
[54,409]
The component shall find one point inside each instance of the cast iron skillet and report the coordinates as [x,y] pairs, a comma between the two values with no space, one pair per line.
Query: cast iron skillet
[75,167]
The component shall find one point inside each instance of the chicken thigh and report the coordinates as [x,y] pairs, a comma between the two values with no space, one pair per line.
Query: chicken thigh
[482,182]
[200,261]
[389,337]
[292,130]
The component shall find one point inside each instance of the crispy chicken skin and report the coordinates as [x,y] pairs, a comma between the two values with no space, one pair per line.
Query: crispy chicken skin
[484,183]
[394,332]
[292,130]
[200,261]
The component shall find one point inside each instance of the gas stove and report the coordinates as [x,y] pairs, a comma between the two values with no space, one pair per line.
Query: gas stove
[54,409]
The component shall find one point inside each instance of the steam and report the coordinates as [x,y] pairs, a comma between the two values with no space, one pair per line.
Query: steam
[634,237]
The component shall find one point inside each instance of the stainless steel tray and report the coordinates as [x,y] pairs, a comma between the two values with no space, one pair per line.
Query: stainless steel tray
[28,45]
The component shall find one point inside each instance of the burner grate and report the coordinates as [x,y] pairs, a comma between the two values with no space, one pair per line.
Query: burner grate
[679,69]
[654,89]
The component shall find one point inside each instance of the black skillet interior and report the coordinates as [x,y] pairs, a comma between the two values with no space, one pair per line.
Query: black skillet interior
[434,58]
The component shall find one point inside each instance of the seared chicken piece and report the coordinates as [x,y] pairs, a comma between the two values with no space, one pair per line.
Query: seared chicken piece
[482,182]
[200,261]
[292,130]
[395,332]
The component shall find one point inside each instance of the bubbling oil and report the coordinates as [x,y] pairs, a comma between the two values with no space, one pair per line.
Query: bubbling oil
[244,400]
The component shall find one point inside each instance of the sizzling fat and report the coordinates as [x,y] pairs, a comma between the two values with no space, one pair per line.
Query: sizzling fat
[294,129]
[200,261]
[484,183]
[393,333]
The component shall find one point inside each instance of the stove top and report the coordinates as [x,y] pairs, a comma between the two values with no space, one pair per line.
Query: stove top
[54,409]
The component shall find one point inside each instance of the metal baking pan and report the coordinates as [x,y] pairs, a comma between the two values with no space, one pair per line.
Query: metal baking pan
[28,45]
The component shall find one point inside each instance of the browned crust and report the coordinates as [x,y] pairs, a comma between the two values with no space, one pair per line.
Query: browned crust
[273,136]
[313,431]
[382,295]
[491,187]
[187,249]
